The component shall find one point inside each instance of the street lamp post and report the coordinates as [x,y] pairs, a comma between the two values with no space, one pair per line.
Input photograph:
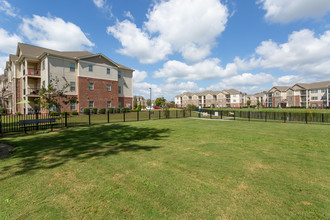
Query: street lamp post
[150,98]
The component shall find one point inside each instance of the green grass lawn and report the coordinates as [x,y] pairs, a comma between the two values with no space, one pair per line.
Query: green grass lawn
[176,168]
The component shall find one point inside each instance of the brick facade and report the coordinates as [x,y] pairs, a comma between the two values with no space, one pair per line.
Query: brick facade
[125,101]
[99,95]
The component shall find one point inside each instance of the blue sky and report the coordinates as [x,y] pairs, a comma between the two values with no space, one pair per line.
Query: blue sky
[183,45]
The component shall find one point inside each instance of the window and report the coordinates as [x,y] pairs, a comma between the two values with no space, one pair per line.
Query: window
[314,91]
[91,86]
[73,106]
[220,96]
[277,93]
[209,97]
[108,87]
[43,65]
[72,86]
[314,98]
[323,90]
[119,89]
[234,101]
[314,105]
[324,98]
[90,68]
[108,71]
[185,97]
[220,100]
[290,92]
[290,99]
[91,104]
[119,104]
[108,104]
[195,97]
[119,74]
[72,67]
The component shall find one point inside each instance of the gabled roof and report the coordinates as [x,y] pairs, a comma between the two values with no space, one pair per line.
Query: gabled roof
[316,85]
[232,91]
[279,88]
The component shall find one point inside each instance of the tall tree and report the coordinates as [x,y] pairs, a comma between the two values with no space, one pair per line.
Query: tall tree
[160,101]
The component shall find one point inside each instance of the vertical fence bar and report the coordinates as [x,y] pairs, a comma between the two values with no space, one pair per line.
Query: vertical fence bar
[184,113]
[66,119]
[234,116]
[124,116]
[1,125]
[274,116]
[176,113]
[37,124]
[159,115]
[149,114]
[289,116]
[137,116]
[249,115]
[89,117]
[210,114]
[306,118]
[284,117]
[221,114]
[190,113]
[322,118]
[108,116]
[265,116]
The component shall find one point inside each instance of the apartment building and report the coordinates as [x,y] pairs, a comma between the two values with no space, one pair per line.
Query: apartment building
[216,99]
[94,79]
[257,99]
[314,95]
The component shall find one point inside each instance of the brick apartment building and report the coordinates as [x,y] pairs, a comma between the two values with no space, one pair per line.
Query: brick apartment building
[94,79]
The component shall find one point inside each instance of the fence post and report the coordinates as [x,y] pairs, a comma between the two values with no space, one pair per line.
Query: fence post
[1,125]
[159,115]
[137,116]
[265,116]
[66,119]
[124,115]
[221,114]
[184,113]
[190,113]
[149,114]
[284,117]
[210,114]
[289,116]
[322,118]
[306,117]
[234,115]
[108,116]
[249,115]
[176,113]
[274,116]
[37,117]
[89,118]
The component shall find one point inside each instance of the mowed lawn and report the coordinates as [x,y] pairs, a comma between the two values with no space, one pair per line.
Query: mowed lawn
[176,169]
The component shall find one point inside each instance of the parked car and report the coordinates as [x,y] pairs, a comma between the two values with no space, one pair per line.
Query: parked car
[149,108]
[157,107]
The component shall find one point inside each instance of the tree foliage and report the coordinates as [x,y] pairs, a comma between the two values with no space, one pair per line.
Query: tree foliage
[54,95]
[248,102]
[160,101]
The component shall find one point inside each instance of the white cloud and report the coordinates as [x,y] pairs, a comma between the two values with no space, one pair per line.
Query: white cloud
[138,43]
[139,76]
[304,53]
[54,33]
[7,8]
[246,82]
[3,61]
[99,3]
[129,15]
[284,11]
[207,69]
[8,43]
[187,26]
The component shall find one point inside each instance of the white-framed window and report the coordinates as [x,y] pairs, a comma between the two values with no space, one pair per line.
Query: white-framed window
[314,98]
[108,87]
[314,91]
[220,100]
[108,104]
[209,97]
[119,89]
[185,97]
[72,86]
[72,67]
[91,86]
[290,92]
[91,104]
[277,93]
[73,106]
[314,105]
[90,68]
[119,104]
[220,96]
[323,90]
[119,74]
[234,106]
[108,71]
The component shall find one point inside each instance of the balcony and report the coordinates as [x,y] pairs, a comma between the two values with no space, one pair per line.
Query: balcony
[32,72]
[32,92]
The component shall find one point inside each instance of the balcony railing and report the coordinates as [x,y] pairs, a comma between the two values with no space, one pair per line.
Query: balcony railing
[32,72]
[33,91]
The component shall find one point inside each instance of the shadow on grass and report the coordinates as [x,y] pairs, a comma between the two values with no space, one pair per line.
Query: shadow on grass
[50,151]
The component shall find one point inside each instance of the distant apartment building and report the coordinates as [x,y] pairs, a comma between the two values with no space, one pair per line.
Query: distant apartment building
[258,99]
[94,79]
[216,99]
[315,95]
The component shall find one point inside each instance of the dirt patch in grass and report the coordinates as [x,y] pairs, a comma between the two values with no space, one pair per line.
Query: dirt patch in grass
[5,150]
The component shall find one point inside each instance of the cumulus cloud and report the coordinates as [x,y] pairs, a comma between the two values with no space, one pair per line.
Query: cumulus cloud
[304,53]
[207,69]
[3,61]
[55,33]
[138,43]
[7,8]
[187,26]
[99,3]
[284,11]
[102,4]
[8,42]
[139,76]
[129,15]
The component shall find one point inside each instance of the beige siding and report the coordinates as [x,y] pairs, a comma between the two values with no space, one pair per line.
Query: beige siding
[60,69]
[99,71]
[126,83]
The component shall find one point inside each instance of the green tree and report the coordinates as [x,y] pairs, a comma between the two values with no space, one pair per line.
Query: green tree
[54,95]
[160,101]
[139,108]
[248,102]
[135,105]
[258,103]
[148,102]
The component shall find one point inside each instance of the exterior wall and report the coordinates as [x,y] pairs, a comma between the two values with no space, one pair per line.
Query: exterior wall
[126,102]
[99,95]
[126,83]
[59,69]
[99,71]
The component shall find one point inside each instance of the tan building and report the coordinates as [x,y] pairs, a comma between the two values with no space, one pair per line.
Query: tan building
[94,79]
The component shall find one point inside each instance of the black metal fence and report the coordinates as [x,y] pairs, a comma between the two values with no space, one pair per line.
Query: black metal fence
[266,116]
[24,123]
[10,124]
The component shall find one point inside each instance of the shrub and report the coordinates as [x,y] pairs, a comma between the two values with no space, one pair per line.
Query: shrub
[2,110]
[125,109]
[102,110]
[18,113]
[86,111]
[94,110]
[117,110]
[54,113]
[65,112]
[110,110]
[139,107]
[74,113]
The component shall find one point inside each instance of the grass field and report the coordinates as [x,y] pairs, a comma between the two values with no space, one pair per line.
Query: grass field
[176,168]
